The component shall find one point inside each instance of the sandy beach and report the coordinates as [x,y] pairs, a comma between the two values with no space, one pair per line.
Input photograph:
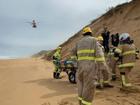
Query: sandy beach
[30,82]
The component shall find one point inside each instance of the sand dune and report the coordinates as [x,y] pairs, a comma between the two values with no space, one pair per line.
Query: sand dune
[124,18]
[30,82]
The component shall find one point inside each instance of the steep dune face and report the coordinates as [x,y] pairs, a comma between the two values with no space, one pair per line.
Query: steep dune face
[123,18]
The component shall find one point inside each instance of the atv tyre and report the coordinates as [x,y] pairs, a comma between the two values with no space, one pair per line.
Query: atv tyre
[72,77]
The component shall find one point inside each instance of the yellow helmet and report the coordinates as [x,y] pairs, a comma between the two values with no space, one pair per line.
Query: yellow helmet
[99,38]
[86,30]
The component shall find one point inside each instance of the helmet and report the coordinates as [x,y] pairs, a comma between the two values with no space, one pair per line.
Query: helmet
[87,30]
[99,38]
[124,36]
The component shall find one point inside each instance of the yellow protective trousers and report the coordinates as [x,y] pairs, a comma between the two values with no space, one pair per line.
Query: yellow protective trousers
[124,72]
[86,81]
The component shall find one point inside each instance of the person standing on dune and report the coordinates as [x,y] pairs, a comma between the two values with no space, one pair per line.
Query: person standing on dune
[106,38]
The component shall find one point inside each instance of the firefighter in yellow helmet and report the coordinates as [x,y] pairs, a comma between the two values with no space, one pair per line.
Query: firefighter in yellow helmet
[100,40]
[126,54]
[56,61]
[88,53]
[103,71]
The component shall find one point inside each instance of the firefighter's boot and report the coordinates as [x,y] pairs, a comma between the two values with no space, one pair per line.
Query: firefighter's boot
[100,85]
[108,85]
[54,75]
[124,81]
[114,77]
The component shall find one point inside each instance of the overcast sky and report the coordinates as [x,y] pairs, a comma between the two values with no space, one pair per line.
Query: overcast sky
[58,20]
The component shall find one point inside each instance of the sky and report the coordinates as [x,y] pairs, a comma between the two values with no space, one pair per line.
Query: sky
[57,21]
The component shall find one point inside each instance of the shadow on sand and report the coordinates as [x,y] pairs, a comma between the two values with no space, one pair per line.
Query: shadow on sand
[60,87]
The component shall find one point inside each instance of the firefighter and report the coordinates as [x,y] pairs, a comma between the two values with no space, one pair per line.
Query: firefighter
[56,61]
[104,74]
[88,53]
[126,53]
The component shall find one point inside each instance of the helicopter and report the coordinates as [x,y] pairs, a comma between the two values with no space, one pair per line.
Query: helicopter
[33,23]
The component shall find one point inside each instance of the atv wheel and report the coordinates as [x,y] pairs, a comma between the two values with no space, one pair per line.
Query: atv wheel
[72,77]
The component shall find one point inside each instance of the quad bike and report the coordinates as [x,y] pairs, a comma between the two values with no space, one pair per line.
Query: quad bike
[70,67]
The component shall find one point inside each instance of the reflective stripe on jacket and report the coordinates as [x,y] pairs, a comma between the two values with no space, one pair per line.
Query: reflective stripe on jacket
[126,65]
[129,52]
[89,55]
[128,55]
